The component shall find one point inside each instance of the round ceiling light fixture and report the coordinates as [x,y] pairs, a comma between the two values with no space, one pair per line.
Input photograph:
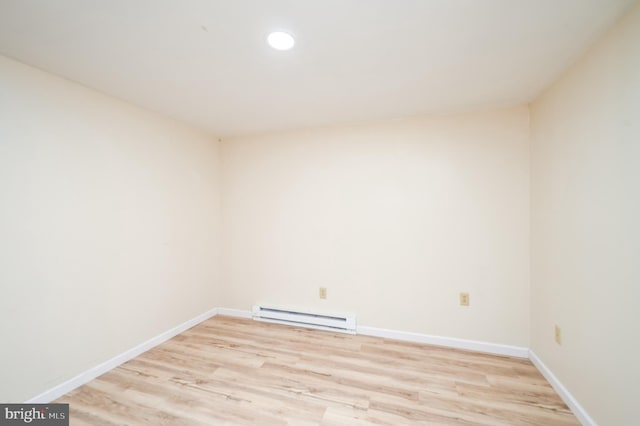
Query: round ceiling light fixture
[280,40]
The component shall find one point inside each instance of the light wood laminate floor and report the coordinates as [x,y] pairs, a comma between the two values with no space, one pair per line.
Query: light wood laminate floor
[231,371]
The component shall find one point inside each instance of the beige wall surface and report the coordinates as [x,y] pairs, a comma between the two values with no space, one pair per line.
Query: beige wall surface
[585,226]
[117,224]
[393,218]
[109,223]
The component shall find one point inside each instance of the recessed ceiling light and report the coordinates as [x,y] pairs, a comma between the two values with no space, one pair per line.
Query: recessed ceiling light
[280,40]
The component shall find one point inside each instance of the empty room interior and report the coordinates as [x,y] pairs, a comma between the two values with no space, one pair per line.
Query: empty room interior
[329,212]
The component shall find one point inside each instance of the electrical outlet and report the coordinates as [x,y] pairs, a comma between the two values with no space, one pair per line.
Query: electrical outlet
[323,293]
[558,335]
[464,299]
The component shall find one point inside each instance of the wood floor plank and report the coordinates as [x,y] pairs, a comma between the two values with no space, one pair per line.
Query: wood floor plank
[231,371]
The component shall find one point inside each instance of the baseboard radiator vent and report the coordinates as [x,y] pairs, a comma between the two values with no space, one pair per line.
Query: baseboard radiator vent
[343,323]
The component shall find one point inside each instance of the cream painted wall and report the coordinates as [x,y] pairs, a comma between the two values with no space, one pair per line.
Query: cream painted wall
[585,226]
[109,228]
[110,225]
[394,218]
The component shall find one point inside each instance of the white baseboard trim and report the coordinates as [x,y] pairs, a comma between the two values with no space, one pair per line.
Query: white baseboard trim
[235,313]
[98,370]
[493,348]
[450,342]
[566,396]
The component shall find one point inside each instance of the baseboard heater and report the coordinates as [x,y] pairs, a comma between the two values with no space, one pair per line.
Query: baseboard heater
[343,323]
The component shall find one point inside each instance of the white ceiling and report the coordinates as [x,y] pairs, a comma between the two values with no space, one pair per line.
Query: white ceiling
[206,62]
